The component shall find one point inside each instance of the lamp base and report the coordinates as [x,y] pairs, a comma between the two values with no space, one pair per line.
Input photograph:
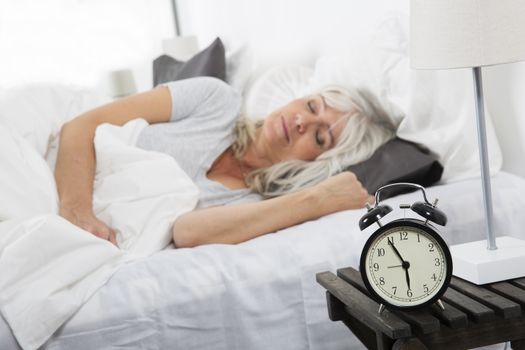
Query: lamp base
[475,263]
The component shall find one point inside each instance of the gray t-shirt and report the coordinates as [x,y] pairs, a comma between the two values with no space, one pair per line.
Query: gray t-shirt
[203,115]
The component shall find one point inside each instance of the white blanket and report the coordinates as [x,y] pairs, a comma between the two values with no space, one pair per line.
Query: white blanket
[49,268]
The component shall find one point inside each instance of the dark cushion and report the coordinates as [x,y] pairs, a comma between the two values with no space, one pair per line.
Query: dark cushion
[209,62]
[398,161]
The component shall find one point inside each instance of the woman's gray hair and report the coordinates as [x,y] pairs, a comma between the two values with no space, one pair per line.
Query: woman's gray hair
[368,127]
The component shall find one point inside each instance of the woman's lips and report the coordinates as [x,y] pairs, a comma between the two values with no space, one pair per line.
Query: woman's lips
[285,128]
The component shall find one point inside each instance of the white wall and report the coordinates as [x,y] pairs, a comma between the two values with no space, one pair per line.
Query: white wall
[79,41]
[504,87]
[282,31]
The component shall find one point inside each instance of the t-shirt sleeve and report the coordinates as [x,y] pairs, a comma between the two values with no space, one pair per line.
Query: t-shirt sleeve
[200,96]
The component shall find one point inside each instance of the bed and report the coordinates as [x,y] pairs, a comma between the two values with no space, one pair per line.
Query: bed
[262,293]
[258,294]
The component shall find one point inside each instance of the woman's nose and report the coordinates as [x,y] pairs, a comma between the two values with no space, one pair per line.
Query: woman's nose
[302,122]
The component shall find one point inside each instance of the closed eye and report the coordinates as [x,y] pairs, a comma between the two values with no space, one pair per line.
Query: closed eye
[324,137]
[320,139]
[312,106]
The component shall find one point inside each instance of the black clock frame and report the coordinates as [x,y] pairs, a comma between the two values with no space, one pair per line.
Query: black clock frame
[428,228]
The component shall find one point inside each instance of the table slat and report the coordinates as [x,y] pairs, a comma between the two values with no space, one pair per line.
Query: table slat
[476,311]
[421,320]
[519,282]
[508,291]
[363,308]
[503,306]
[451,316]
[469,319]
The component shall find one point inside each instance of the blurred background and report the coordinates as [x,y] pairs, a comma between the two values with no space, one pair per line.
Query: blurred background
[79,42]
[92,43]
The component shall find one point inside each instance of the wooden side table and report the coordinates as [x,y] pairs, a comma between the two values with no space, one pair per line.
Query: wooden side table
[474,315]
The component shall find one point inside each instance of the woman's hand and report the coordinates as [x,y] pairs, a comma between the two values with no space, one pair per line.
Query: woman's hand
[341,192]
[89,222]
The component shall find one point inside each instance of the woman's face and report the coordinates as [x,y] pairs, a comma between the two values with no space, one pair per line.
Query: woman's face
[301,130]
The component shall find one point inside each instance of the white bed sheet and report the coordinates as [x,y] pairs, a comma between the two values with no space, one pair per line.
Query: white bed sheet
[260,294]
[50,267]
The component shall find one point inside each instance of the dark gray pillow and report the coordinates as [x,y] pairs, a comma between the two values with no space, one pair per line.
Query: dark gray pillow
[398,161]
[209,62]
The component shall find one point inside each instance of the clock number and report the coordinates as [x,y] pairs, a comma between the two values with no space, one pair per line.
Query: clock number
[376,267]
[409,293]
[431,247]
[391,239]
[395,289]
[434,278]
[418,241]
[437,262]
[382,281]
[425,288]
[381,252]
[403,236]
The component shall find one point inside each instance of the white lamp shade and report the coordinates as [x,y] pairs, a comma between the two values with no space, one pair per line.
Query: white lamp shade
[122,83]
[466,33]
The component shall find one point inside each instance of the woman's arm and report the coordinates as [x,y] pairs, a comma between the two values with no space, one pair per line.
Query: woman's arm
[75,166]
[241,222]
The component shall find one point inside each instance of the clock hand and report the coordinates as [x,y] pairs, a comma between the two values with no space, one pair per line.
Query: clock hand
[394,266]
[405,264]
[408,277]
[396,251]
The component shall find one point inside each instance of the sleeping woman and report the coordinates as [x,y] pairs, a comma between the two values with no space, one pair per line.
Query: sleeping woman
[255,177]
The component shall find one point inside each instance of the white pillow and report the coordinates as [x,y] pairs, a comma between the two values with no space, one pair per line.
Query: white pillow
[239,66]
[275,88]
[432,108]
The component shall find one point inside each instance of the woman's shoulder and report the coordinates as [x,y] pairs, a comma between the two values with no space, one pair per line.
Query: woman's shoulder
[203,97]
[209,86]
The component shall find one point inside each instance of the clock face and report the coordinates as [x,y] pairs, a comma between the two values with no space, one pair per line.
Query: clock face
[406,264]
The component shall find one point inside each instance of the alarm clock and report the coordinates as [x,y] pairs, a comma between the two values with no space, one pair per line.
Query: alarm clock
[405,264]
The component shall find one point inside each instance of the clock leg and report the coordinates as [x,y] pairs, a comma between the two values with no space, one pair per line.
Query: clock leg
[381,308]
[440,304]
